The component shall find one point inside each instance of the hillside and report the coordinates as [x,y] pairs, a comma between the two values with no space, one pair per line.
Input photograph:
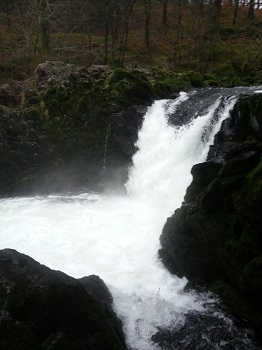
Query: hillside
[221,43]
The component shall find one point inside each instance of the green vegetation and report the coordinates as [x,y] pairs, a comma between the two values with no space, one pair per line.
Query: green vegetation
[220,44]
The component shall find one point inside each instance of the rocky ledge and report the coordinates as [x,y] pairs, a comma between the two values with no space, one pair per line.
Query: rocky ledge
[48,310]
[214,239]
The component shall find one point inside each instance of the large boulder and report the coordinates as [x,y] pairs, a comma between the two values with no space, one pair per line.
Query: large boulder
[215,237]
[45,309]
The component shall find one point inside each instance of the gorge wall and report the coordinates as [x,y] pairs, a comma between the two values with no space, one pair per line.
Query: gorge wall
[214,239]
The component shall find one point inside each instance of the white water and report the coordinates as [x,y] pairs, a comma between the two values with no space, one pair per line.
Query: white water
[117,237]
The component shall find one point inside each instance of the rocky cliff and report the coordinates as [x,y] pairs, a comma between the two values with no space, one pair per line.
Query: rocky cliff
[214,239]
[70,128]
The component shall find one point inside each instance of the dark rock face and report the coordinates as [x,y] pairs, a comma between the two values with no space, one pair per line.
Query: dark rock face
[69,129]
[45,309]
[215,237]
[24,146]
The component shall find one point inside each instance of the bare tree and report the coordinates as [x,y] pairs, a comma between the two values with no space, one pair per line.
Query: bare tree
[7,6]
[236,6]
[34,19]
[147,9]
[129,5]
[164,12]
[215,20]
[251,12]
[178,32]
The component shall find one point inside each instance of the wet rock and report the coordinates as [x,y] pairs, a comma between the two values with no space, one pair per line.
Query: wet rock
[212,198]
[57,341]
[214,239]
[48,309]
[203,174]
[210,330]
[97,288]
[24,147]
[15,334]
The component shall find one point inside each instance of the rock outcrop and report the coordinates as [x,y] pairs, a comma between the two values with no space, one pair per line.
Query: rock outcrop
[70,128]
[214,239]
[45,309]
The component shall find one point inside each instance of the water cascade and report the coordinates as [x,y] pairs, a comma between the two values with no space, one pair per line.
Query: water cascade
[108,133]
[117,237]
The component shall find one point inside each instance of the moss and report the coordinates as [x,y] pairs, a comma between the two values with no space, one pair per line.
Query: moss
[196,79]
[168,83]
[125,87]
[211,80]
[227,76]
[34,113]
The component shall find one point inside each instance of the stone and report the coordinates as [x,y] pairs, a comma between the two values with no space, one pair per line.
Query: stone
[11,94]
[203,174]
[205,331]
[214,239]
[48,308]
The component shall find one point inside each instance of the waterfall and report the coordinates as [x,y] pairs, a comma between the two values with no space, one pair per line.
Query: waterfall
[117,237]
[108,133]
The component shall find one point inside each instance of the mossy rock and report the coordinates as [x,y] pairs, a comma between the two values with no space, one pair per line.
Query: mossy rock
[126,87]
[172,82]
[34,113]
[196,79]
[211,80]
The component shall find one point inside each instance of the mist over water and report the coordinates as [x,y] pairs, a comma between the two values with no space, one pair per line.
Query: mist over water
[117,237]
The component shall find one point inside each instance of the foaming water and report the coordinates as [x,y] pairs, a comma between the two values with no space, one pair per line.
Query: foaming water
[117,237]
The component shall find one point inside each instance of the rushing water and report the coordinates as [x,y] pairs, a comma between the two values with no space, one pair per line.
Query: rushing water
[117,237]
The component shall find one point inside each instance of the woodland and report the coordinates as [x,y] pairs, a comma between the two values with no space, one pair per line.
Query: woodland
[220,39]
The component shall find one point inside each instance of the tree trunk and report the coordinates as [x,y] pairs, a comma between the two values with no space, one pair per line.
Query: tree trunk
[164,13]
[215,25]
[177,42]
[45,36]
[115,27]
[126,32]
[106,41]
[147,8]
[236,6]
[251,14]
